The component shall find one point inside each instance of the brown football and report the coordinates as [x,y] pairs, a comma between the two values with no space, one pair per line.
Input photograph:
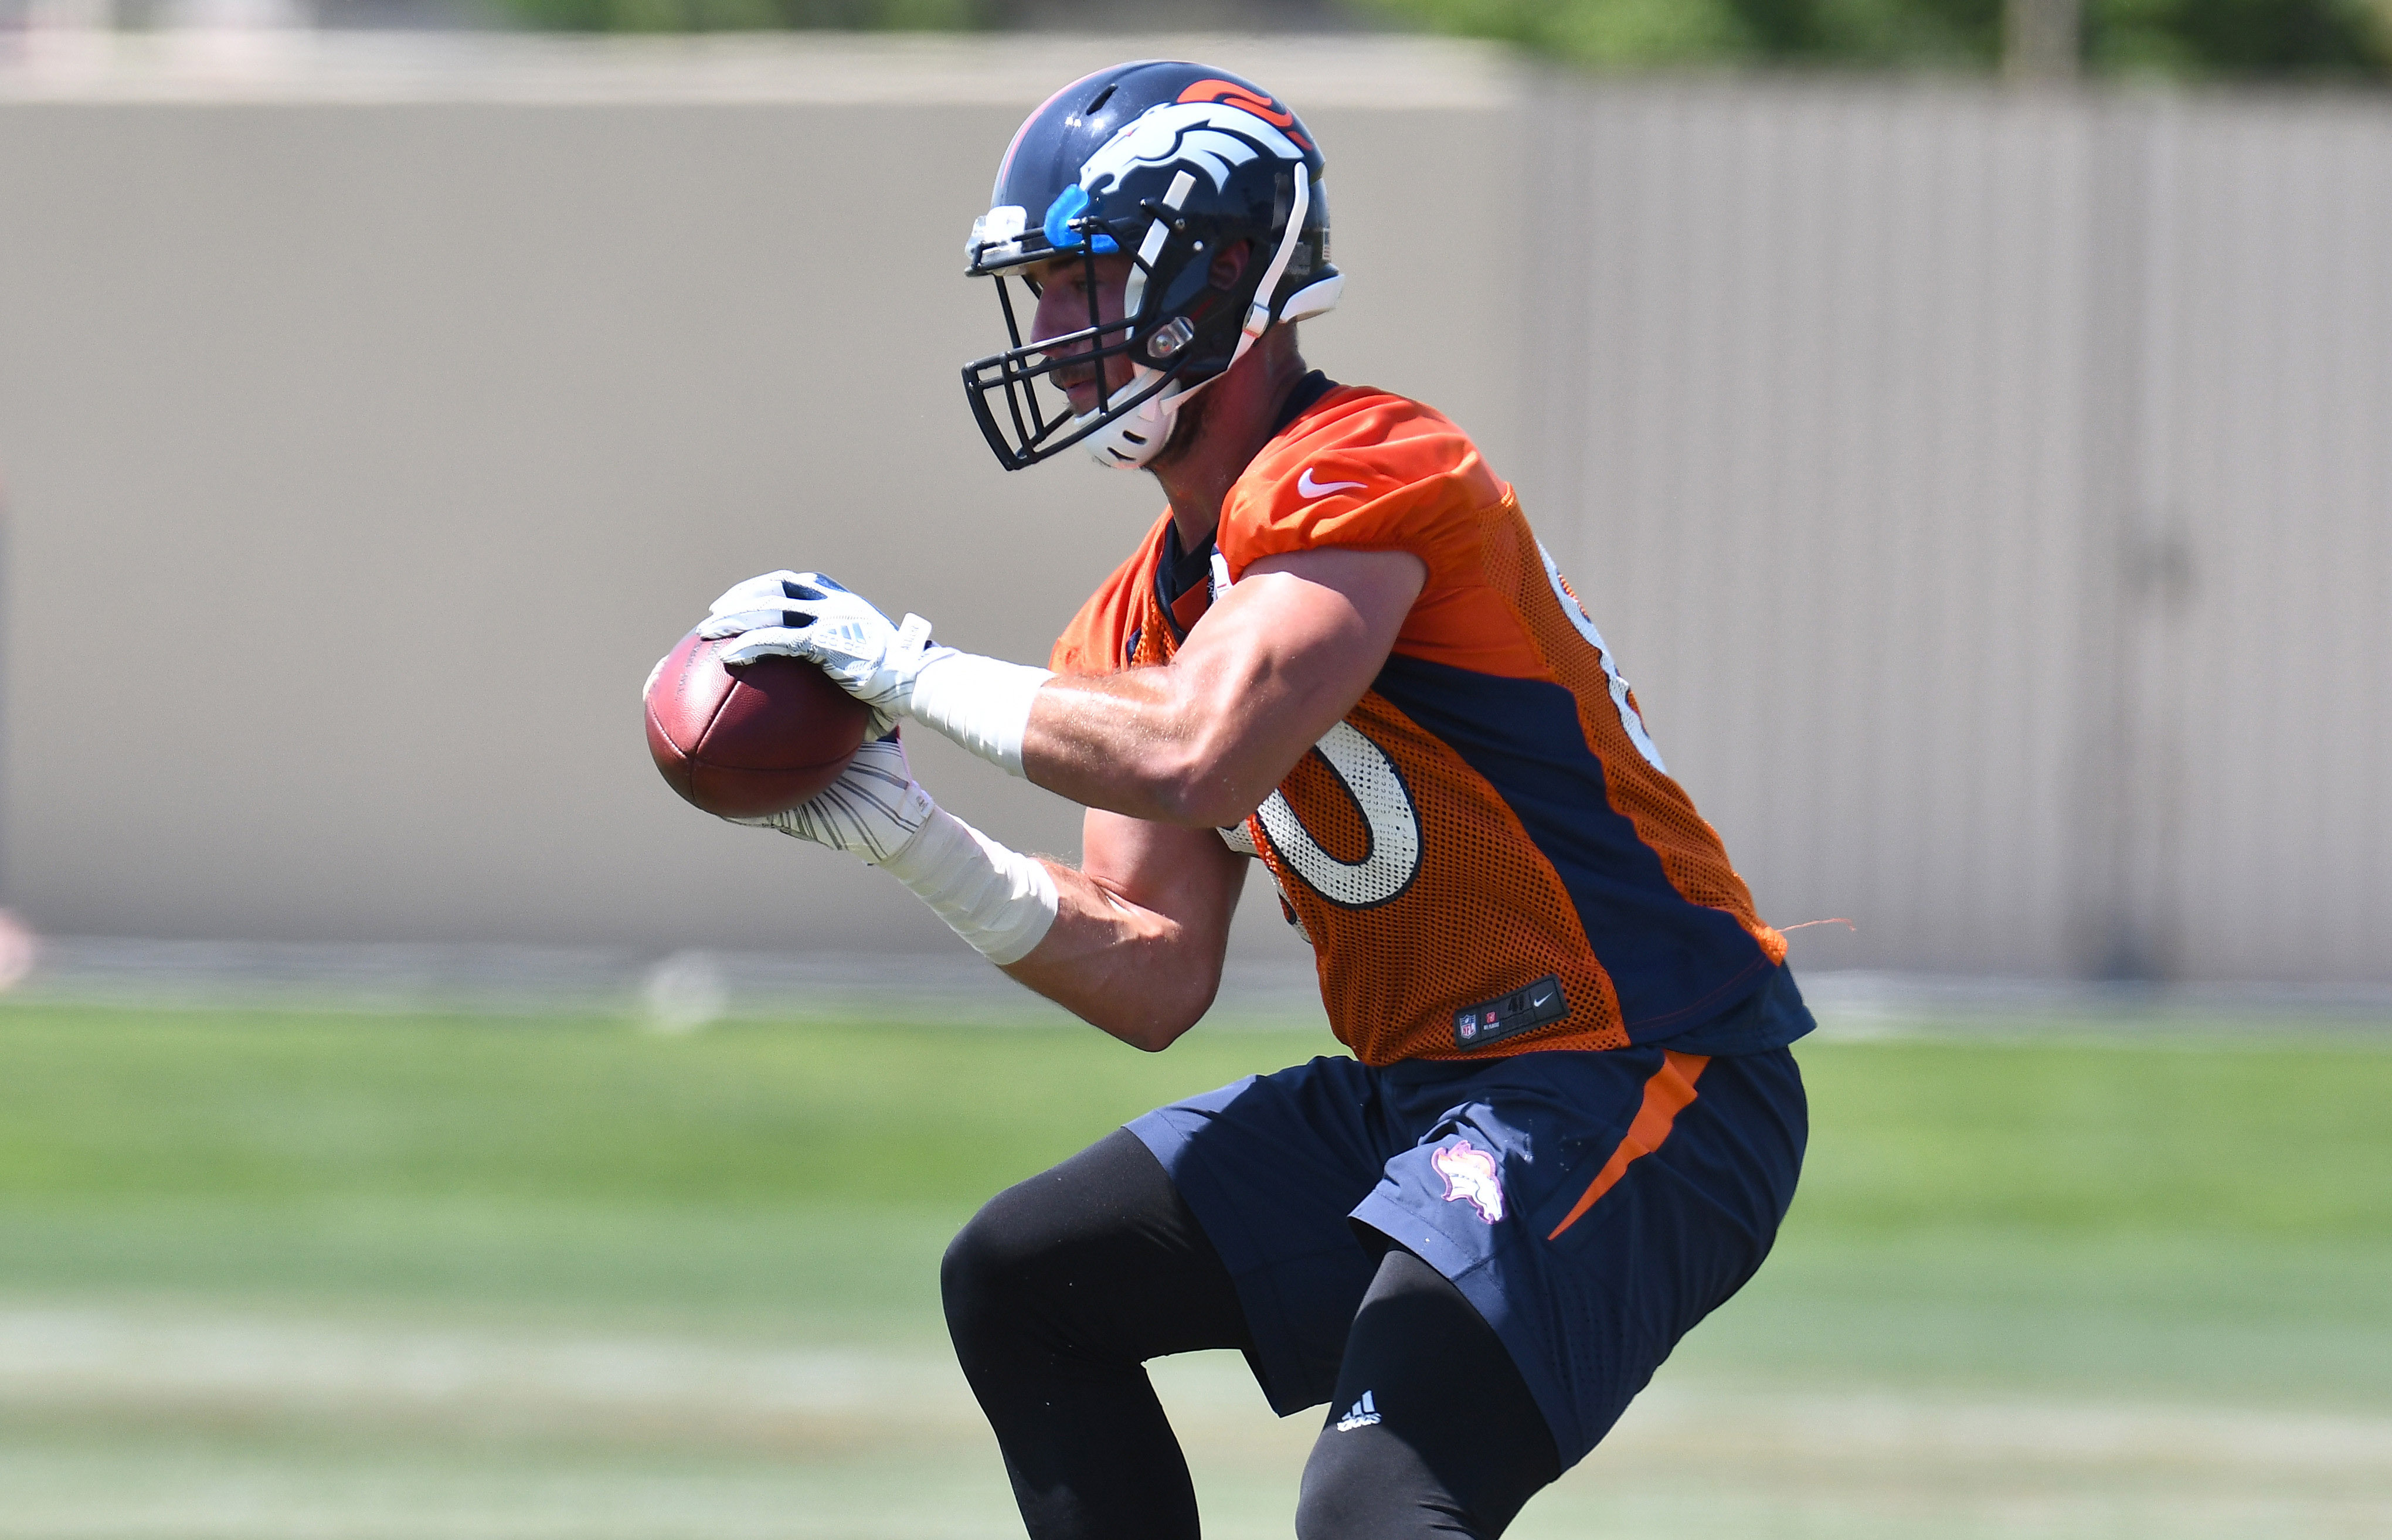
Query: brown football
[751,741]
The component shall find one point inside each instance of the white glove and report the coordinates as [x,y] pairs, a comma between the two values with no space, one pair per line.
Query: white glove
[873,810]
[981,703]
[1000,900]
[804,615]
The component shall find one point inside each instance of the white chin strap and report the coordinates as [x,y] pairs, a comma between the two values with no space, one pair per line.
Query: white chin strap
[1130,441]
[1138,436]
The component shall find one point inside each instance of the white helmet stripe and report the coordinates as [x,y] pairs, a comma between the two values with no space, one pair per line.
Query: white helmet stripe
[1258,318]
[1134,292]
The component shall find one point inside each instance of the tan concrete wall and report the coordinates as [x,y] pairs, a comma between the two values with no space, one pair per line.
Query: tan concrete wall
[1991,496]
[1823,403]
[364,449]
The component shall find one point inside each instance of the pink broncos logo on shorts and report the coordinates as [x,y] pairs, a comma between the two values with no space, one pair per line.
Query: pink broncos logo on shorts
[1470,1173]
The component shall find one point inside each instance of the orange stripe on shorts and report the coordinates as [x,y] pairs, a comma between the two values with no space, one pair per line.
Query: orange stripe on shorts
[1669,1092]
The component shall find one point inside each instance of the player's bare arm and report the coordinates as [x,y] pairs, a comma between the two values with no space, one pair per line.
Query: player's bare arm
[1141,928]
[1161,755]
[1201,740]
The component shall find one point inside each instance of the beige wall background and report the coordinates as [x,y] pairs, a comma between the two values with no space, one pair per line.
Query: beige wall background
[1988,496]
[1993,495]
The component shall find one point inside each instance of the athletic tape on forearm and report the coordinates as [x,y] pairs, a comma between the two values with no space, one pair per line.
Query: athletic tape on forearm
[980,703]
[1000,900]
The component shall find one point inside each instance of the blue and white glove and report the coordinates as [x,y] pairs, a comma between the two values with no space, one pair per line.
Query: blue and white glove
[896,669]
[872,811]
[1000,900]
[807,615]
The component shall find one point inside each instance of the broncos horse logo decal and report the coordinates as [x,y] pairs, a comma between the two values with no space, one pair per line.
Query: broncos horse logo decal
[1215,137]
[1470,1173]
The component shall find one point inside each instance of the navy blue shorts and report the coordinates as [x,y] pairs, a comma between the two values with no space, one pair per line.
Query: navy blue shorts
[1593,1207]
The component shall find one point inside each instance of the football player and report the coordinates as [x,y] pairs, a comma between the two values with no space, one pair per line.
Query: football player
[1571,1124]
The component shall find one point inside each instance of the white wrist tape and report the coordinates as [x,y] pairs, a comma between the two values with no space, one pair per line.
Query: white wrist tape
[1000,900]
[980,703]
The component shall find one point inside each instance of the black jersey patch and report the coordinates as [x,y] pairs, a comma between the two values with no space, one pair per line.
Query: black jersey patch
[1521,1011]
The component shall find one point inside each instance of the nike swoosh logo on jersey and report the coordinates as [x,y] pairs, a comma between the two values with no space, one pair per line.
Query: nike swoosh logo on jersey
[1541,1002]
[1309,488]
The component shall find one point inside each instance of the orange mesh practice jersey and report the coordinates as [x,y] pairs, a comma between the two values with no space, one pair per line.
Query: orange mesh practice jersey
[1486,853]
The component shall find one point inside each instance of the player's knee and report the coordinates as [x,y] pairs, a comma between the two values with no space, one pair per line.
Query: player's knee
[1327,1505]
[981,1281]
[1001,1278]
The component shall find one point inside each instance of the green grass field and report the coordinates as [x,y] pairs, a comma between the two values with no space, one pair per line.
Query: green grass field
[296,1276]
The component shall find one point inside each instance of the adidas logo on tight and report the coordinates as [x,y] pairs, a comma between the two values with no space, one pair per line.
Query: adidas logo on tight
[1362,1415]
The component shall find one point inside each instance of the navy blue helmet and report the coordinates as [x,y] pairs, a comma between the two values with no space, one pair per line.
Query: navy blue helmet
[1169,163]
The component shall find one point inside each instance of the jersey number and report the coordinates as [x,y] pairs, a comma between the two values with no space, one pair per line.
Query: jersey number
[1393,860]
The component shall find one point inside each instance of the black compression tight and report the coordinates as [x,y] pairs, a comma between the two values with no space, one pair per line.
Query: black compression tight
[1057,1293]
[1459,1444]
[1061,1288]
